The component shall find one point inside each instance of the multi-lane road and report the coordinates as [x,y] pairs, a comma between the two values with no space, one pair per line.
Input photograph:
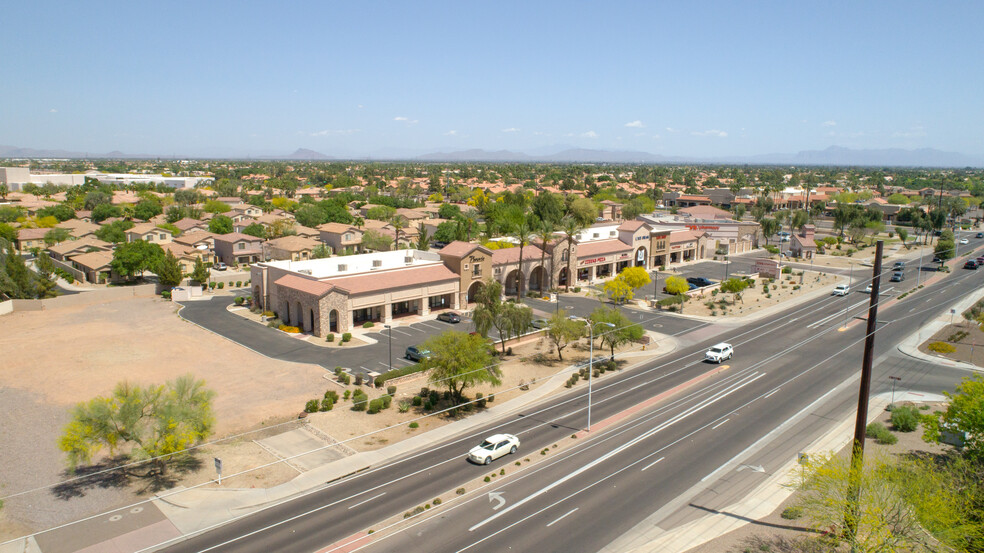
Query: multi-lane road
[793,377]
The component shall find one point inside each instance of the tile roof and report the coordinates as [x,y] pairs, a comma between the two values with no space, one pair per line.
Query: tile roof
[336,228]
[511,255]
[308,286]
[602,247]
[189,223]
[81,244]
[194,237]
[293,243]
[458,248]
[32,233]
[236,237]
[631,226]
[705,212]
[93,260]
[394,278]
[685,236]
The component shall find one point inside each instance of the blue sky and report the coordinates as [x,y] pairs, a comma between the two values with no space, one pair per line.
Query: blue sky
[360,78]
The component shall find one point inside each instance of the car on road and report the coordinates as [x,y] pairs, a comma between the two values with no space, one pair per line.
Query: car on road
[841,290]
[540,323]
[783,236]
[964,241]
[495,446]
[700,282]
[719,352]
[971,264]
[219,266]
[867,289]
[897,276]
[979,235]
[980,260]
[417,354]
[449,317]
[899,266]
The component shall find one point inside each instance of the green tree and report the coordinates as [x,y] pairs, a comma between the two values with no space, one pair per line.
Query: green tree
[96,198]
[216,207]
[200,272]
[56,236]
[399,223]
[508,318]
[255,229]
[523,230]
[147,209]
[133,258]
[448,211]
[45,285]
[946,246]
[624,330]
[114,232]
[769,226]
[321,251]
[677,285]
[903,236]
[154,423]
[562,330]
[310,215]
[372,239]
[964,413]
[636,277]
[423,238]
[545,233]
[220,224]
[898,199]
[168,271]
[584,210]
[734,286]
[105,211]
[447,231]
[8,233]
[62,212]
[459,360]
[618,290]
[381,212]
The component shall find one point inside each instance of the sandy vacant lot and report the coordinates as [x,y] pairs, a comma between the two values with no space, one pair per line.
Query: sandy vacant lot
[55,359]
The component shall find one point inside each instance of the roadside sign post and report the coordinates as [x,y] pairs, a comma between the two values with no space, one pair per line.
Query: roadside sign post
[952,312]
[218,469]
[894,379]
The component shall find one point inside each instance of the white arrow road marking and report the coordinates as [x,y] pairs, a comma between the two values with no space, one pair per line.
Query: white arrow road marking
[497,496]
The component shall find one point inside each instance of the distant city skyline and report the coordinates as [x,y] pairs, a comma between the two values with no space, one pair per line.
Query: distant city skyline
[360,79]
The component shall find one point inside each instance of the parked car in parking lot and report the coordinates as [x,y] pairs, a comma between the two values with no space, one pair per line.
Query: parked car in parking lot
[971,264]
[449,317]
[719,352]
[493,447]
[414,353]
[841,290]
[700,282]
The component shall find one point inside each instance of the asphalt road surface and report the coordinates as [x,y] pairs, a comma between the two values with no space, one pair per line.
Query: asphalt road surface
[792,378]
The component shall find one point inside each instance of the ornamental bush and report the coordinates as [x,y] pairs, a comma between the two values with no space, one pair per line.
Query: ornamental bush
[375,406]
[941,347]
[330,338]
[367,324]
[290,329]
[311,406]
[332,395]
[327,404]
[221,285]
[347,337]
[905,419]
[360,401]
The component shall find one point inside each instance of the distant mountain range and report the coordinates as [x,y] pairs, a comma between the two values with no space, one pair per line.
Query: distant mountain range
[832,156]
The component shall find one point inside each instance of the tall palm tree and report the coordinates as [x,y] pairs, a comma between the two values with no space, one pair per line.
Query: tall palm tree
[399,223]
[571,227]
[545,233]
[524,231]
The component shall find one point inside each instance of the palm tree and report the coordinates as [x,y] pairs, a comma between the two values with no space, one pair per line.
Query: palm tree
[545,233]
[571,227]
[359,222]
[522,227]
[422,237]
[399,223]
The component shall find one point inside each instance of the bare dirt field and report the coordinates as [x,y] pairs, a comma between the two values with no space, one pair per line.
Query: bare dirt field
[57,358]
[772,532]
[754,298]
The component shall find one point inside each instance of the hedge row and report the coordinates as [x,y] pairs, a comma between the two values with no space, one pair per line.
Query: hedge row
[396,373]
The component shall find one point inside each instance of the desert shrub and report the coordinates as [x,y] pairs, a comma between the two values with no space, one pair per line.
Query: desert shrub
[221,285]
[387,401]
[417,401]
[396,373]
[404,406]
[491,398]
[289,329]
[873,429]
[166,294]
[311,406]
[437,501]
[414,424]
[347,394]
[332,395]
[905,419]
[941,347]
[480,400]
[447,394]
[391,390]
[360,401]
[460,491]
[787,269]
[367,324]
[330,338]
[428,406]
[327,404]
[424,392]
[211,286]
[239,283]
[881,434]
[347,337]
[239,300]
[375,406]
[792,513]
[509,351]
[488,478]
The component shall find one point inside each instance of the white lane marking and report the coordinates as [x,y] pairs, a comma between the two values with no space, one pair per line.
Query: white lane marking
[677,418]
[367,500]
[399,332]
[719,424]
[402,360]
[770,393]
[563,516]
[384,364]
[653,463]
[835,315]
[428,326]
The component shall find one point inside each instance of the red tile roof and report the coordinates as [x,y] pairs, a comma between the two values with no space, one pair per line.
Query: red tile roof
[393,278]
[458,248]
[602,247]
[685,236]
[511,255]
[308,286]
[631,226]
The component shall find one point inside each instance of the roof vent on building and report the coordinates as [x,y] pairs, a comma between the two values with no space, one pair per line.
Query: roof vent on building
[304,271]
[408,260]
[342,267]
[377,263]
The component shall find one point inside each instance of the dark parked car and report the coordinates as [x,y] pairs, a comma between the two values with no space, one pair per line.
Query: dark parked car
[449,317]
[417,354]
[897,276]
[979,235]
[700,282]
[972,264]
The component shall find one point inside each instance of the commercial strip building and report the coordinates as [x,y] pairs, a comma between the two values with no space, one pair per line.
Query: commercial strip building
[16,177]
[721,235]
[337,294]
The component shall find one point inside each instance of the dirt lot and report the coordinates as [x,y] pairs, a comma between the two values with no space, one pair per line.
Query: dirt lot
[769,533]
[966,338]
[55,359]
[753,298]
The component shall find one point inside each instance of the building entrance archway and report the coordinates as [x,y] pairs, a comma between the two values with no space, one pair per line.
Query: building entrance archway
[641,257]
[473,290]
[333,321]
[538,279]
[512,282]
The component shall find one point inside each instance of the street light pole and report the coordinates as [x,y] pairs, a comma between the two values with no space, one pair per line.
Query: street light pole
[390,328]
[591,364]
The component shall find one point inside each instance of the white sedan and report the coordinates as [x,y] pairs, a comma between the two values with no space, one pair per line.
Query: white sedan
[493,447]
[867,289]
[964,241]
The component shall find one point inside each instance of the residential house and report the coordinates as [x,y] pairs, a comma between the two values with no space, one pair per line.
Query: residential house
[95,266]
[149,232]
[611,211]
[244,211]
[341,237]
[78,228]
[29,238]
[69,248]
[803,244]
[294,248]
[84,215]
[185,255]
[236,248]
[307,232]
[202,241]
[187,225]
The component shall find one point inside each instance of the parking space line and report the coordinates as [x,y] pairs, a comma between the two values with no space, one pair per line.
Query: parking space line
[400,332]
[402,360]
[425,325]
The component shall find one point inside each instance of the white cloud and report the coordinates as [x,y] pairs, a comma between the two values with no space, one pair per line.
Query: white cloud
[406,120]
[328,132]
[451,133]
[360,106]
[829,124]
[510,129]
[589,134]
[712,132]
[671,129]
[635,124]
[52,110]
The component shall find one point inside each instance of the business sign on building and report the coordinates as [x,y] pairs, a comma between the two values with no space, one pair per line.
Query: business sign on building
[592,261]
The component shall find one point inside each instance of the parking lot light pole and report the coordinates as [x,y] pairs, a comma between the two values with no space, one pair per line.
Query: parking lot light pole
[390,328]
[591,364]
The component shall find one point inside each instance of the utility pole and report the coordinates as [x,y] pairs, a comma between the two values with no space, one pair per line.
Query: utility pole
[857,454]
